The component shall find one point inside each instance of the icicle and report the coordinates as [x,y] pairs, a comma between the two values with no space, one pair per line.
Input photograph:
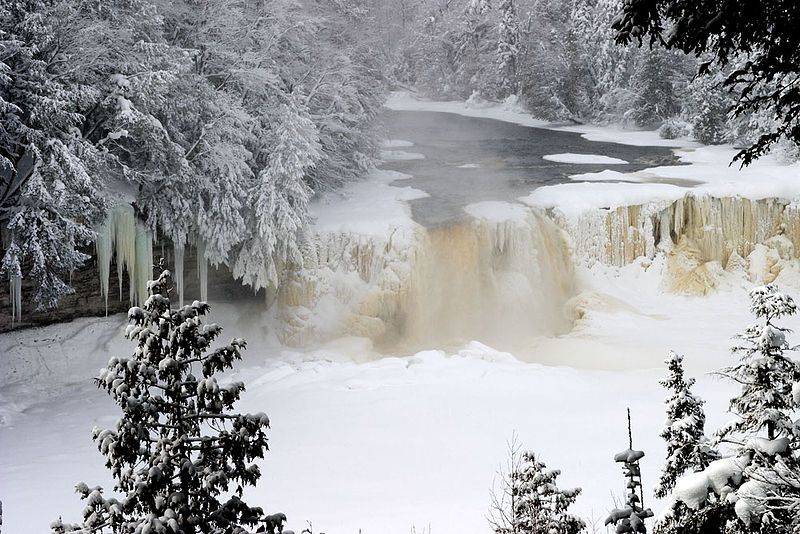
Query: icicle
[16,299]
[104,246]
[125,245]
[143,269]
[179,250]
[202,270]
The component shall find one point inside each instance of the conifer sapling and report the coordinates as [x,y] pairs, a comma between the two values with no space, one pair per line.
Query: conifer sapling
[177,450]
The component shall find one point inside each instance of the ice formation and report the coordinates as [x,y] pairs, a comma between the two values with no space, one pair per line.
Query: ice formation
[104,245]
[202,270]
[124,241]
[485,279]
[143,266]
[701,236]
[131,243]
[179,250]
[15,291]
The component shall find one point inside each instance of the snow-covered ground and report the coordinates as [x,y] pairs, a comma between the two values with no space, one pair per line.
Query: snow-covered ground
[383,443]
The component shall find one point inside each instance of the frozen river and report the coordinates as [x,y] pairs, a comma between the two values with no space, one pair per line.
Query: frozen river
[468,160]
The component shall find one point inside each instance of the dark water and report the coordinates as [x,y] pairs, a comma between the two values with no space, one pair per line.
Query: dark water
[509,159]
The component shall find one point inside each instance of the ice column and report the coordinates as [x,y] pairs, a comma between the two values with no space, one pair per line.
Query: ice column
[124,222]
[143,269]
[202,270]
[179,250]
[16,298]
[105,248]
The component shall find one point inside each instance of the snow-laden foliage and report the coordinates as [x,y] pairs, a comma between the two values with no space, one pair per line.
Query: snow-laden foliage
[560,58]
[757,487]
[763,31]
[687,447]
[631,517]
[179,456]
[177,108]
[48,170]
[529,500]
[764,372]
[507,48]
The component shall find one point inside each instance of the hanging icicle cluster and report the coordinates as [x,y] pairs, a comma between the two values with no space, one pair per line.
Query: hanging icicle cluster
[132,244]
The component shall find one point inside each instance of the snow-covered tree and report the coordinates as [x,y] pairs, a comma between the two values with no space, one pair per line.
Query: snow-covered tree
[757,487]
[766,374]
[530,501]
[687,447]
[178,447]
[653,86]
[707,109]
[281,197]
[630,518]
[507,48]
[49,187]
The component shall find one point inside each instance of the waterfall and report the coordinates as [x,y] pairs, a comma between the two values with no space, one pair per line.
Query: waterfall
[503,282]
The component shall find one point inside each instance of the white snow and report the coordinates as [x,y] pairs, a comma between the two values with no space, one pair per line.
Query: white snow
[576,198]
[770,447]
[606,175]
[469,166]
[373,206]
[584,159]
[400,155]
[404,101]
[498,211]
[416,440]
[376,441]
[692,489]
[396,143]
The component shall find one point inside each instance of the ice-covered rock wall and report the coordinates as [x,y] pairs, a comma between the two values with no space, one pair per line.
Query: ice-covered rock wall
[701,235]
[487,278]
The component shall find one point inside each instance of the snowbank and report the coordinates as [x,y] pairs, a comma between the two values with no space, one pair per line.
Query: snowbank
[584,159]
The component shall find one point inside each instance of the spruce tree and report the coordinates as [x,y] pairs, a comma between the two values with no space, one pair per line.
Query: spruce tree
[178,449]
[687,446]
[507,49]
[765,373]
[652,83]
[630,518]
[757,488]
[533,503]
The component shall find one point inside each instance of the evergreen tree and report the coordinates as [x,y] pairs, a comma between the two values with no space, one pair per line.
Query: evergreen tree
[177,448]
[282,198]
[532,502]
[707,110]
[507,48]
[49,190]
[687,447]
[766,374]
[630,518]
[765,31]
[757,488]
[652,84]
